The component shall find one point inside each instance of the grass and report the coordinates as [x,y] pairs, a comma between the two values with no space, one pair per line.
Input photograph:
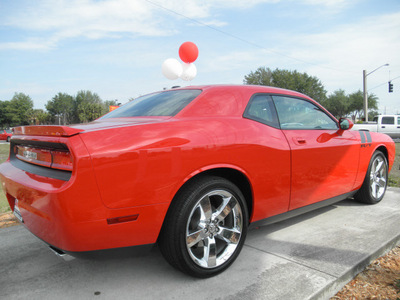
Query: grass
[4,151]
[394,176]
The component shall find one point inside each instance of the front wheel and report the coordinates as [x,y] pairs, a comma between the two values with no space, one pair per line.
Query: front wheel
[205,228]
[375,182]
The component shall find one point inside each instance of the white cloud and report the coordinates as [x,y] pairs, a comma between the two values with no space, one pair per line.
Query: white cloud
[336,56]
[352,47]
[55,20]
[328,3]
[31,44]
[73,18]
[60,19]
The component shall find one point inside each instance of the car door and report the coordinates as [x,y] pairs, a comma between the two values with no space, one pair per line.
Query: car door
[324,159]
[269,153]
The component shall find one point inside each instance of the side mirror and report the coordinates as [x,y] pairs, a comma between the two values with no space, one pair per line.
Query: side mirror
[345,124]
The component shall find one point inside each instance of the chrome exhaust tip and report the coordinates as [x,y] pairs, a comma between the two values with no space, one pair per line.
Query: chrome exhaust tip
[61,254]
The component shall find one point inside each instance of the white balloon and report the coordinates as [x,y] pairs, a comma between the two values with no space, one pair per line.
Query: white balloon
[189,71]
[171,68]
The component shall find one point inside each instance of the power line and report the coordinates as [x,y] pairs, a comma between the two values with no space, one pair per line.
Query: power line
[377,86]
[246,41]
[384,83]
[394,78]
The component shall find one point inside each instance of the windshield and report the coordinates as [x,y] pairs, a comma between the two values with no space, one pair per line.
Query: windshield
[167,103]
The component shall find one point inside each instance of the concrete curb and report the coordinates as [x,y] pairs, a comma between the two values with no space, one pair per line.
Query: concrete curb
[334,287]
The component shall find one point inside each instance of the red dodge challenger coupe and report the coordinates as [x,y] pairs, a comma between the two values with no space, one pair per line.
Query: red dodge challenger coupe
[190,168]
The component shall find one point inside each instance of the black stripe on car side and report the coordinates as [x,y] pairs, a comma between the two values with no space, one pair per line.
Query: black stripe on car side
[368,135]
[362,137]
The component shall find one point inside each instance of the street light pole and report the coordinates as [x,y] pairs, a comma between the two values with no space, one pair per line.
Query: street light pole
[365,90]
[365,95]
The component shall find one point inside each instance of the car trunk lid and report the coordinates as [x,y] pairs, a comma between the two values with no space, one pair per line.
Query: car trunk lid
[67,131]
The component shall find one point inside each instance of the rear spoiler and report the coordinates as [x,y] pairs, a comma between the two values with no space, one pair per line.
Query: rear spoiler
[46,130]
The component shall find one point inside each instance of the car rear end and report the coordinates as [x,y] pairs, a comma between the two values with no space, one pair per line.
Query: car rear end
[51,188]
[55,181]
[43,180]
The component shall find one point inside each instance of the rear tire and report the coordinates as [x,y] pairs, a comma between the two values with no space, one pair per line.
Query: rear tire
[375,182]
[205,227]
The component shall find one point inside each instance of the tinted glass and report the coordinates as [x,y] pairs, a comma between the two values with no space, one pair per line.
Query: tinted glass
[167,103]
[388,120]
[261,109]
[296,113]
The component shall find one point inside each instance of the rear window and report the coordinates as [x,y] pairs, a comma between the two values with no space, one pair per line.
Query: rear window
[167,103]
[388,120]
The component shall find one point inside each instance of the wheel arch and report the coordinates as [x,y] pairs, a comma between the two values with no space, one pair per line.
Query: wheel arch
[235,176]
[384,150]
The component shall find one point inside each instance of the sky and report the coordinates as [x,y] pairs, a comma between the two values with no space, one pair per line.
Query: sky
[115,48]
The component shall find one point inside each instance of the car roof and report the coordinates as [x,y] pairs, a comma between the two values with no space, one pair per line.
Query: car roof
[228,100]
[250,88]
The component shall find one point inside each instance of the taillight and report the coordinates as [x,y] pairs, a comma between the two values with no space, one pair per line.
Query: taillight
[56,159]
[62,160]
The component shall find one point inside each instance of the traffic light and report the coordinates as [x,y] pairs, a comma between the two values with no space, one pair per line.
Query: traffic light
[390,87]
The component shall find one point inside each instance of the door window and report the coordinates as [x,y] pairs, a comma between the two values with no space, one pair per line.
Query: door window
[294,113]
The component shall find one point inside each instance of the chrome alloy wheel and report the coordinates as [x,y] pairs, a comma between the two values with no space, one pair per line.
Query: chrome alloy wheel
[378,177]
[214,229]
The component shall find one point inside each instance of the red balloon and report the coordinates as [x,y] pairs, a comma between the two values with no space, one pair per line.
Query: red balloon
[188,52]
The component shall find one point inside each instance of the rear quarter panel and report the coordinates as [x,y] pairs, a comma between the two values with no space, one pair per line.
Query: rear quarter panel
[146,165]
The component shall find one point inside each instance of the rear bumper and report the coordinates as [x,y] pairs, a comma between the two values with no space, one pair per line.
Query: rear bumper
[71,216]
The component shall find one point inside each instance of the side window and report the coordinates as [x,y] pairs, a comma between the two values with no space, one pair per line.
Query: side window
[296,113]
[388,120]
[261,109]
[398,120]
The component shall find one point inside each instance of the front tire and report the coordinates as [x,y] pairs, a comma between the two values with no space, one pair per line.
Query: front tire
[205,227]
[375,182]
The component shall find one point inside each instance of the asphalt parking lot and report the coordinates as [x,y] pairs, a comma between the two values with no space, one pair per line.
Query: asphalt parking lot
[308,257]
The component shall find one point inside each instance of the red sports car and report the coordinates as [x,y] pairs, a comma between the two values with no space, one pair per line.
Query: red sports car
[189,168]
[5,135]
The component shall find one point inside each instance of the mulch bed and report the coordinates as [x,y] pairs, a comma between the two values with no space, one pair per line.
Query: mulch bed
[8,220]
[380,280]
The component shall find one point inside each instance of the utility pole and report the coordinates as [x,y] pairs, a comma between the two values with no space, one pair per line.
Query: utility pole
[365,74]
[365,93]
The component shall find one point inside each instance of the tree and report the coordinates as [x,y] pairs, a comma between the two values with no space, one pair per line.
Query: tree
[356,105]
[292,80]
[338,104]
[40,117]
[88,106]
[19,109]
[62,108]
[5,120]
[261,76]
[107,104]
